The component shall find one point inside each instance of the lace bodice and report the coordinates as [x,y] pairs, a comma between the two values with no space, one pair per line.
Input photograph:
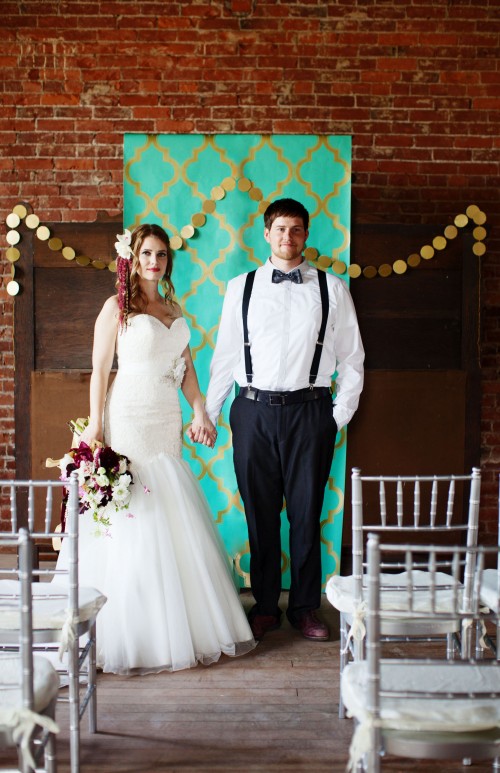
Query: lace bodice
[142,416]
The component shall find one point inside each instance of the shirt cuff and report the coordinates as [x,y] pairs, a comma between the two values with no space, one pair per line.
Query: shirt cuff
[341,416]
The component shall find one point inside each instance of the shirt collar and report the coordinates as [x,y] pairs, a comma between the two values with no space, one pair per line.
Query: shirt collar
[269,267]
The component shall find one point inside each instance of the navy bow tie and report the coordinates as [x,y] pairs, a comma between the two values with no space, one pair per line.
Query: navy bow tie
[293,276]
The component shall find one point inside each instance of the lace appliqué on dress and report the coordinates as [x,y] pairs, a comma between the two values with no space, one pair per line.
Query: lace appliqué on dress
[177,371]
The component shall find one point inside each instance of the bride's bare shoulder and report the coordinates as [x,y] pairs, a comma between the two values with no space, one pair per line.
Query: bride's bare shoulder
[110,307]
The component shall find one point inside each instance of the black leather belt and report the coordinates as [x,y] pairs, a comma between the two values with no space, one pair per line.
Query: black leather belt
[285,398]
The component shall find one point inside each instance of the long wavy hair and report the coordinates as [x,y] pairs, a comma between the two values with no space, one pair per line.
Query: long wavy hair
[130,295]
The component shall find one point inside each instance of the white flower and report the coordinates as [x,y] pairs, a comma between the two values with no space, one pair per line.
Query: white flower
[178,370]
[122,246]
[120,491]
[101,478]
[67,459]
[122,466]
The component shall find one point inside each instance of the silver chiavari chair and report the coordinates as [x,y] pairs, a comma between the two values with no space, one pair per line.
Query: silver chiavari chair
[402,508]
[425,706]
[64,613]
[29,684]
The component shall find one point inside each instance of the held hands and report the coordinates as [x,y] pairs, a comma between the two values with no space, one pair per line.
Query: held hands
[202,431]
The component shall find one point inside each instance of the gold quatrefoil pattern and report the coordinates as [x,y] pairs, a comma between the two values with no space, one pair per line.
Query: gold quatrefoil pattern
[210,192]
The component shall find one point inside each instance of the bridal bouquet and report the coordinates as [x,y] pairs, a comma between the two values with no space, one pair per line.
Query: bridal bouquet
[104,478]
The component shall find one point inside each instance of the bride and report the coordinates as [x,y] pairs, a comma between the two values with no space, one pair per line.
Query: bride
[171,602]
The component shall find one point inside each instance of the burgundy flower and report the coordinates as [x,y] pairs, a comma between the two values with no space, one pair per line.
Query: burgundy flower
[107,458]
[82,454]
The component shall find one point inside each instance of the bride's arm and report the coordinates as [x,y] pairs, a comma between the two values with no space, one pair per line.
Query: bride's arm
[105,332]
[201,430]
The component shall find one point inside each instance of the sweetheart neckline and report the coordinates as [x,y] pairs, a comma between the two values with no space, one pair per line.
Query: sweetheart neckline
[152,316]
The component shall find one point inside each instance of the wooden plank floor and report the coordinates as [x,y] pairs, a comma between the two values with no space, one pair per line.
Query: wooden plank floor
[272,711]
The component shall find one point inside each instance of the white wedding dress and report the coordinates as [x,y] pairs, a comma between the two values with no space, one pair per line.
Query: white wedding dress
[172,602]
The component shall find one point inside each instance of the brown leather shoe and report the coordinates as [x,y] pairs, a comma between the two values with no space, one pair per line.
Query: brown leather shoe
[260,624]
[311,627]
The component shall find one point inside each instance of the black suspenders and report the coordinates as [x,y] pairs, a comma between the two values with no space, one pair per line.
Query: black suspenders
[246,300]
[247,292]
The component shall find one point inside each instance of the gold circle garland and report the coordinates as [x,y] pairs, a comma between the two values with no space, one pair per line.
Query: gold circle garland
[472,214]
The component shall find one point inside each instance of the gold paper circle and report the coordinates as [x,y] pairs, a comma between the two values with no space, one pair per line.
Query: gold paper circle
[479,233]
[13,237]
[187,231]
[100,264]
[354,270]
[461,221]
[471,210]
[370,272]
[20,210]
[13,287]
[82,260]
[12,220]
[55,244]
[263,206]
[427,252]
[12,254]
[112,266]
[32,221]
[68,253]
[479,218]
[229,183]
[255,194]
[339,267]
[450,232]
[12,271]
[209,206]
[479,248]
[217,193]
[400,266]
[310,253]
[413,260]
[244,184]
[43,233]
[176,242]
[198,220]
[439,242]
[324,261]
[385,270]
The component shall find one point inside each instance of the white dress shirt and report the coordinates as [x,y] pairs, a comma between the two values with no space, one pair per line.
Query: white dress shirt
[283,326]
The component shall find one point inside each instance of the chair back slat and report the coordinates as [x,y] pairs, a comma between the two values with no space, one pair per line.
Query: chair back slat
[450,502]
[48,509]
[383,504]
[416,504]
[399,503]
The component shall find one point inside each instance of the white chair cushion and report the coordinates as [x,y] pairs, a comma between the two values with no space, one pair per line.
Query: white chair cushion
[340,592]
[50,605]
[439,714]
[489,589]
[45,683]
[416,714]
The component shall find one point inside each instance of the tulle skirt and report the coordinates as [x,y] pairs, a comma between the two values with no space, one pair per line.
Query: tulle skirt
[172,601]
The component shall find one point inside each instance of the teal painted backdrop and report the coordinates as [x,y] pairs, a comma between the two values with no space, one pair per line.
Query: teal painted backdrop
[209,193]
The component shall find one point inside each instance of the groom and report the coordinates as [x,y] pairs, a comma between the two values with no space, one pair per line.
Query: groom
[284,331]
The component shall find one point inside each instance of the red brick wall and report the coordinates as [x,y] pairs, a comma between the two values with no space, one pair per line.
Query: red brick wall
[416,83]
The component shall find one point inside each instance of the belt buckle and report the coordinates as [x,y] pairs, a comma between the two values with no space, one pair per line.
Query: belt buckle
[276,399]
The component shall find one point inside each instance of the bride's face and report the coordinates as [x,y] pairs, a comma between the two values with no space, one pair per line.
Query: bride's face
[153,257]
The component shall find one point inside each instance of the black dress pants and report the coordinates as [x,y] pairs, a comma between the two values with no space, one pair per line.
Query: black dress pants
[283,451]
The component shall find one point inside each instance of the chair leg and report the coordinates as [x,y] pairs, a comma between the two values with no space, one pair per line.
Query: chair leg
[74,705]
[343,661]
[92,681]
[50,754]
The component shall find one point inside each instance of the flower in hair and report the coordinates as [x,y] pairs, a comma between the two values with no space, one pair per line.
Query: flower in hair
[122,246]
